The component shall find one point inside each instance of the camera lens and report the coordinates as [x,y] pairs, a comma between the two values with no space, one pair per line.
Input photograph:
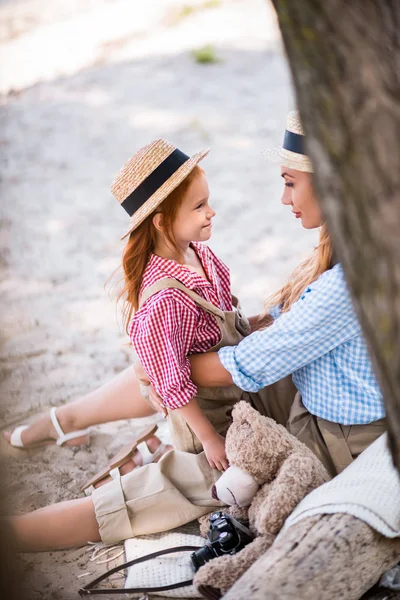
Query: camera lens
[201,556]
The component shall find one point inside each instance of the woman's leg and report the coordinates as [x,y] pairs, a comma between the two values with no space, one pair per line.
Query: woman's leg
[118,399]
[64,525]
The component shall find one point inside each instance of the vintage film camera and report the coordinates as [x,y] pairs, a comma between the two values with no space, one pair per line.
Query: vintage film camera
[226,536]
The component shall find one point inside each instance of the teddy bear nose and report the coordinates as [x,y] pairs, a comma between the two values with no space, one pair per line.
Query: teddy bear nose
[214,492]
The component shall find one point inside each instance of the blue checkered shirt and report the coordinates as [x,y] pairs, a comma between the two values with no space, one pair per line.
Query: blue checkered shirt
[320,342]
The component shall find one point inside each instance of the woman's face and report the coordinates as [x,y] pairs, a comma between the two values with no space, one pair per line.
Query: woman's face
[299,194]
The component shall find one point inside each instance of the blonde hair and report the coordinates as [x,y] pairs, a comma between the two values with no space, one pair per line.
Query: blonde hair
[308,271]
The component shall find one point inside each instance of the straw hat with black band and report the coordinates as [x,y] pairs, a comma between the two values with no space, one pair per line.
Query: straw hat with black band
[292,152]
[149,177]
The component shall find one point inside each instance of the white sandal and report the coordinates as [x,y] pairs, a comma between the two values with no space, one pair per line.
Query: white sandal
[16,440]
[126,454]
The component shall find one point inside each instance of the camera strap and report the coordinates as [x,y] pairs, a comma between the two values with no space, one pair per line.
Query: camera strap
[89,588]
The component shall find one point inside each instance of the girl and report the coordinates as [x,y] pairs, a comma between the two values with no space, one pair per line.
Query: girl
[178,293]
[177,290]
[177,302]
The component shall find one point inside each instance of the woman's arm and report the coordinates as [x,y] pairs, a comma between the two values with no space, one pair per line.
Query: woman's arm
[321,320]
[207,370]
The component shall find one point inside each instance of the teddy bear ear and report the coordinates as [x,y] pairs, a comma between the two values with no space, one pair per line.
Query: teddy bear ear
[242,411]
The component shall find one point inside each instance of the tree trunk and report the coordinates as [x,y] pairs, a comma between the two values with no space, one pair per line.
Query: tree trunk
[345,62]
[324,557]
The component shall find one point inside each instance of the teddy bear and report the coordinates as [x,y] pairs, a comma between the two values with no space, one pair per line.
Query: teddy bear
[270,472]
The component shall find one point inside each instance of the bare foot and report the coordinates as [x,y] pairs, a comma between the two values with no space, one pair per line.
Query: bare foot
[137,461]
[42,432]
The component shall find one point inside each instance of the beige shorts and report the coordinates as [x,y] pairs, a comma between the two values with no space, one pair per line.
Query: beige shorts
[156,497]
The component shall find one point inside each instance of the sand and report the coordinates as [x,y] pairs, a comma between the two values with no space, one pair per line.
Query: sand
[84,85]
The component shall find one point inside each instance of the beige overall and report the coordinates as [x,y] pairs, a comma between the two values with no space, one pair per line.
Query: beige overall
[335,445]
[216,403]
[176,490]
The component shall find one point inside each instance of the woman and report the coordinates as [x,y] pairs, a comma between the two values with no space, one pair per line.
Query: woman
[313,334]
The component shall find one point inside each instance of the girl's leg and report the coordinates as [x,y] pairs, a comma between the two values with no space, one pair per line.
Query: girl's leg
[118,399]
[64,525]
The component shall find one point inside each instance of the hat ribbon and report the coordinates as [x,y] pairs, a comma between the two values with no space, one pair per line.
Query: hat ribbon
[293,142]
[154,181]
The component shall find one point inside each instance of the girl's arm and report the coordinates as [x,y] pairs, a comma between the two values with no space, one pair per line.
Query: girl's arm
[162,342]
[162,339]
[212,442]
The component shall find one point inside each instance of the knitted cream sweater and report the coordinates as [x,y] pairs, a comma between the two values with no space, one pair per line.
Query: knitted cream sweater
[368,489]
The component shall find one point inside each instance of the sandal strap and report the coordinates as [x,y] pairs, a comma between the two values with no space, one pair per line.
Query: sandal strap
[159,452]
[147,456]
[15,439]
[114,473]
[65,437]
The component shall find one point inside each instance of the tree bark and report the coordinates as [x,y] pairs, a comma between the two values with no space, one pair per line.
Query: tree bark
[345,62]
[324,557]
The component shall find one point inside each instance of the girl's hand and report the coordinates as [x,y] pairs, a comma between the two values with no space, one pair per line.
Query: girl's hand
[147,390]
[214,449]
[156,402]
[140,373]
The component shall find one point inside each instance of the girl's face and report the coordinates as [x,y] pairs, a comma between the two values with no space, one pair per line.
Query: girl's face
[193,220]
[299,194]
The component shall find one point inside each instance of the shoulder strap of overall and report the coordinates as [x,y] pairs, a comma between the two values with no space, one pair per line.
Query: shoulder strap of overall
[169,282]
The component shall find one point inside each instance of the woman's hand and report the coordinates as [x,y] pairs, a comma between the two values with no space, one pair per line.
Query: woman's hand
[262,321]
[214,448]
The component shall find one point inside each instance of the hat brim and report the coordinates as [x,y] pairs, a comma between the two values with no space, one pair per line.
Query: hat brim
[292,160]
[155,200]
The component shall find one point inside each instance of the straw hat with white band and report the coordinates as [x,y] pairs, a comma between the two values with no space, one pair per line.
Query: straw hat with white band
[149,177]
[292,153]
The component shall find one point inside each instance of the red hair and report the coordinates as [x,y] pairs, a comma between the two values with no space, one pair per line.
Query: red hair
[141,244]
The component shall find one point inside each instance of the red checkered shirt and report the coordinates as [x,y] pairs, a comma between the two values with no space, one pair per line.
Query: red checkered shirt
[171,326]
